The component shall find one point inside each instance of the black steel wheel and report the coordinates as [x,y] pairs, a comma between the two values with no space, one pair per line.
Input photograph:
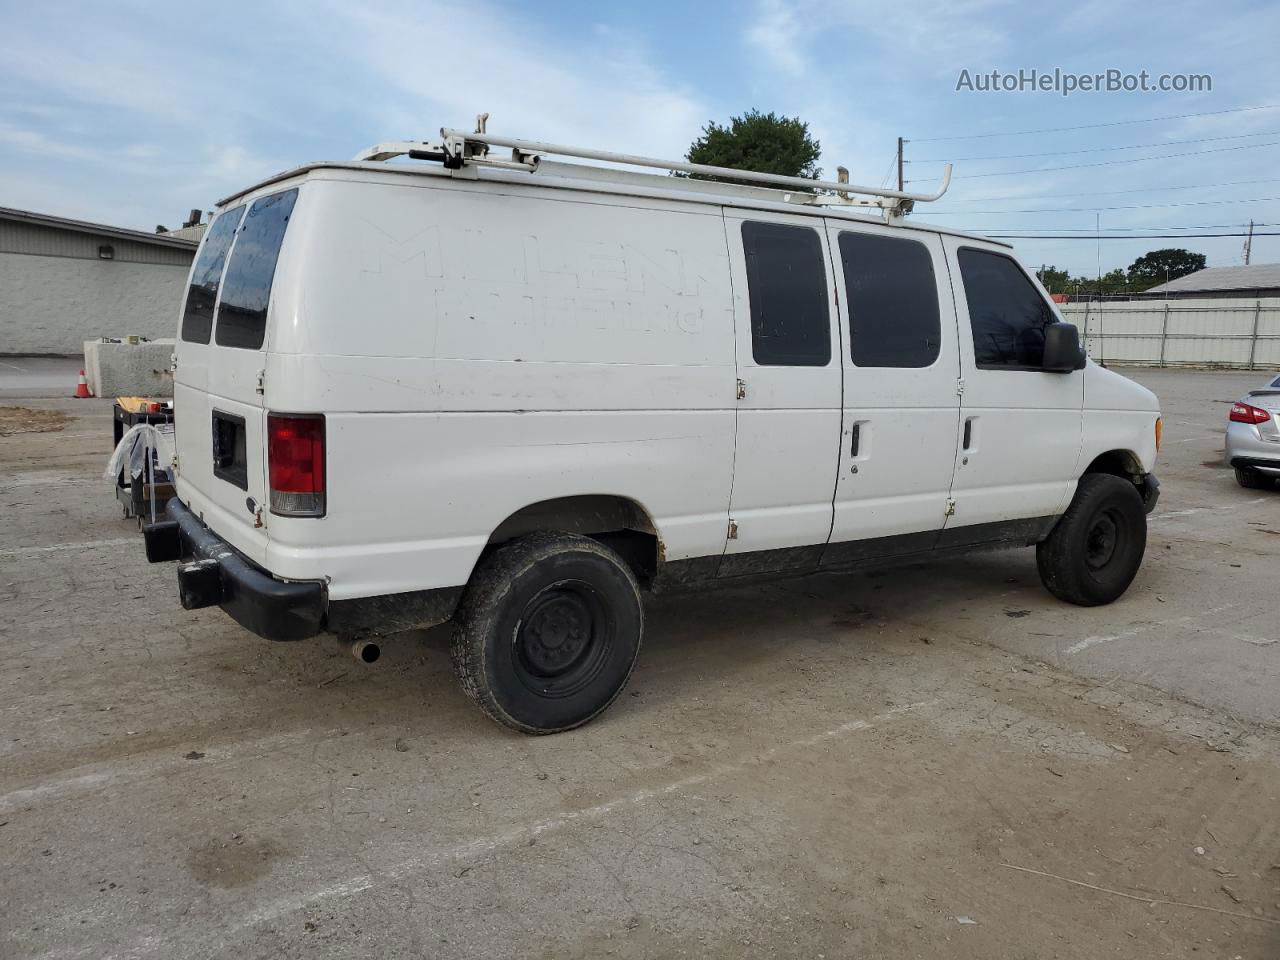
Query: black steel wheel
[548,632]
[1096,548]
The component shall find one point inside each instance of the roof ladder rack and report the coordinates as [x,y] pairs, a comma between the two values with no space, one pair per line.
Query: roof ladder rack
[458,148]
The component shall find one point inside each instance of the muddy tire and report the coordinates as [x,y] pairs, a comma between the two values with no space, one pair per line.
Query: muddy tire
[1095,550]
[1252,479]
[548,632]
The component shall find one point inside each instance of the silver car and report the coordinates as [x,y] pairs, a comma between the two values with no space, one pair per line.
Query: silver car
[1253,437]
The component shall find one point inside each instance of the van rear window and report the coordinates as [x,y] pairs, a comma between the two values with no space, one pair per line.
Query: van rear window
[197,316]
[787,287]
[893,301]
[246,288]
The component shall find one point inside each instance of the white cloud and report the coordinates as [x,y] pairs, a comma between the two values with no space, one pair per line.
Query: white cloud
[776,33]
[911,34]
[443,64]
[171,118]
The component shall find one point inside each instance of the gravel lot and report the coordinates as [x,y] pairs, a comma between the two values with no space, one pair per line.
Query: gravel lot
[934,761]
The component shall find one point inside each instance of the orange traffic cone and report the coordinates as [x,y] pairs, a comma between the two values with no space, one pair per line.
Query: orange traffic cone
[82,388]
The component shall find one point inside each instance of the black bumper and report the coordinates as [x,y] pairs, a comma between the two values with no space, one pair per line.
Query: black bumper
[1246,463]
[211,572]
[1150,491]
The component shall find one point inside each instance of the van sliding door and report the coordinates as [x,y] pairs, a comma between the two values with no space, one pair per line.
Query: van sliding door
[901,398]
[788,424]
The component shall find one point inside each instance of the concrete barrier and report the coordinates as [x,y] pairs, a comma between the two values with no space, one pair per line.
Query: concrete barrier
[129,369]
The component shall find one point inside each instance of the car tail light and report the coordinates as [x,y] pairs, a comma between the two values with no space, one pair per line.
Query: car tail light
[1244,413]
[295,464]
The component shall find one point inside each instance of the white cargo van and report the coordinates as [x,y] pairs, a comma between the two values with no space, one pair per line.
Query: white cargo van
[516,393]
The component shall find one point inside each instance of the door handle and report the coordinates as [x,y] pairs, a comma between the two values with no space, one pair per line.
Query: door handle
[857,438]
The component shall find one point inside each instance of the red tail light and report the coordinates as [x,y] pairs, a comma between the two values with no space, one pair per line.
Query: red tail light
[1243,413]
[295,464]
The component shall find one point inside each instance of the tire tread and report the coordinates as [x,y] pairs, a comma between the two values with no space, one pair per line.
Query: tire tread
[492,580]
[1059,557]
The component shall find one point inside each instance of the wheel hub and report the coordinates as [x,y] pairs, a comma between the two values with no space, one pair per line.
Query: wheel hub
[1100,546]
[554,633]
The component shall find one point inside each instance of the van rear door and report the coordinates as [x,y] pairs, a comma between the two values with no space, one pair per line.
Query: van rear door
[788,432]
[220,420]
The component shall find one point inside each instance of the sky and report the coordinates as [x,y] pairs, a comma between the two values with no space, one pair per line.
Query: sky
[133,113]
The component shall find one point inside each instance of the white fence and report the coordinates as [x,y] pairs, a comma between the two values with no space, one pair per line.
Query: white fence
[1237,333]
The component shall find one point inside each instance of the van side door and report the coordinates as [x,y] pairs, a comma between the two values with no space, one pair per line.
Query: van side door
[1020,426]
[901,399]
[788,423]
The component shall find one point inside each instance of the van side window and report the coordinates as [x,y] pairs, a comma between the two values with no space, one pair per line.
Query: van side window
[1006,312]
[787,286]
[197,316]
[893,301]
[246,289]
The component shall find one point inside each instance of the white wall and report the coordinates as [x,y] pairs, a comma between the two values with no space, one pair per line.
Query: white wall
[54,304]
[1200,332]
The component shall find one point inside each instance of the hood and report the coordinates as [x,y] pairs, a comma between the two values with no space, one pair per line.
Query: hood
[1107,390]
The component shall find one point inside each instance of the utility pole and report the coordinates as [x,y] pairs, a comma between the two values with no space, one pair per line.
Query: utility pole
[1248,244]
[901,182]
[1097,228]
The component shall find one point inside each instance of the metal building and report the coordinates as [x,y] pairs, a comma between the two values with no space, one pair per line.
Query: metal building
[1253,281]
[66,281]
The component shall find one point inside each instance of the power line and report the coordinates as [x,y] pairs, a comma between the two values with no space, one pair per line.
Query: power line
[1095,126]
[1108,163]
[1064,153]
[1114,193]
[1133,206]
[893,161]
[1140,236]
[1117,230]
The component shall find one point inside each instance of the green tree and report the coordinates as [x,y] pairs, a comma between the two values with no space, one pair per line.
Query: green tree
[1054,280]
[1114,281]
[1160,266]
[758,141]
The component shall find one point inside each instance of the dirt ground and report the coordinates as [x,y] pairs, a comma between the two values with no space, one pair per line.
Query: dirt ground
[932,761]
[15,420]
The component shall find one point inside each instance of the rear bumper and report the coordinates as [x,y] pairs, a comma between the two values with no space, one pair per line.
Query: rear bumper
[212,573]
[1270,467]
[1247,447]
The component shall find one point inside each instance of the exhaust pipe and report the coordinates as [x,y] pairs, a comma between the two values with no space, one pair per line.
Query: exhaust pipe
[366,651]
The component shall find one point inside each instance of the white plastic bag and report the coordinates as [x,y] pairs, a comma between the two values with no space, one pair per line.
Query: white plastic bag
[134,446]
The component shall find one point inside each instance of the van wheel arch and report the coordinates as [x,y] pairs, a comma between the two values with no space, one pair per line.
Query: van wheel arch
[1120,463]
[618,522]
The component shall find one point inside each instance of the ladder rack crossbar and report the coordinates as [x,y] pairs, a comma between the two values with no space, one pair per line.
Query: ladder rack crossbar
[457,140]
[458,148]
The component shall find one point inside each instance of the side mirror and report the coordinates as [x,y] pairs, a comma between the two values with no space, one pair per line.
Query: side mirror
[1062,350]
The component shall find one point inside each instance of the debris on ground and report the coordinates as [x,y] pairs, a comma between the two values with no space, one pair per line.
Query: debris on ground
[15,420]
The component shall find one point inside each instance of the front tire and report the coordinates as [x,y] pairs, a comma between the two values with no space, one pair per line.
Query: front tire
[1095,550]
[548,632]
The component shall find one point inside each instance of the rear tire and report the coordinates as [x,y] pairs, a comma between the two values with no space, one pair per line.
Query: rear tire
[548,632]
[1095,550]
[1253,480]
